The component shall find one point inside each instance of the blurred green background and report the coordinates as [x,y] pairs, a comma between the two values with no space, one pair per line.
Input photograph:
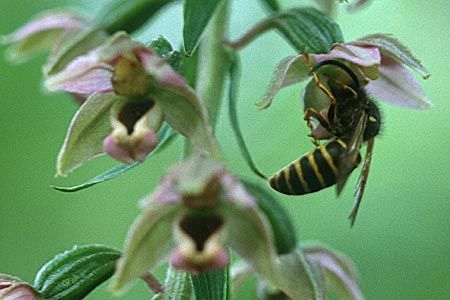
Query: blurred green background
[401,241]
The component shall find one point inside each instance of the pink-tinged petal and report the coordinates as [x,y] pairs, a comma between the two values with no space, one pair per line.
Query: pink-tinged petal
[159,68]
[138,150]
[178,261]
[290,70]
[165,193]
[398,86]
[235,192]
[365,56]
[49,21]
[84,75]
[341,270]
[113,149]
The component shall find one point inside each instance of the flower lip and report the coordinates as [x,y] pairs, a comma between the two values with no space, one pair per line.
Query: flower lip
[131,112]
[200,228]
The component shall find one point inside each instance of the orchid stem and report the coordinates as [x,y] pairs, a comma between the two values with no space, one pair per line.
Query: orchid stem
[153,283]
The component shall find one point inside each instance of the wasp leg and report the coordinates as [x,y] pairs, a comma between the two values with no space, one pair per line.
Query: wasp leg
[311,112]
[316,79]
[344,86]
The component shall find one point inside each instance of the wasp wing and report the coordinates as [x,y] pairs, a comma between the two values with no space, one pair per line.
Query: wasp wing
[361,185]
[350,158]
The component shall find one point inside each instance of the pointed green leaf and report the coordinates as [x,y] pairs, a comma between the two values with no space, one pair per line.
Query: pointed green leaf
[337,270]
[166,135]
[272,5]
[210,285]
[75,273]
[73,47]
[84,139]
[394,48]
[148,243]
[233,97]
[283,229]
[307,29]
[129,15]
[108,175]
[197,14]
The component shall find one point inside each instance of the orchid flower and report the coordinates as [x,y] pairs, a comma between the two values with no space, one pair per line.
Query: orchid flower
[378,60]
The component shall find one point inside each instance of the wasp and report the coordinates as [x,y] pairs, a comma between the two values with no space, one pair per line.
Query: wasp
[352,118]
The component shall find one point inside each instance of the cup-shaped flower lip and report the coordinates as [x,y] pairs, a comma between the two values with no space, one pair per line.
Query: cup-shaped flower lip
[135,124]
[199,243]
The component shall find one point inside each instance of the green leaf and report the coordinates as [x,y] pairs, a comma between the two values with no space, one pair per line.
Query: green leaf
[71,48]
[233,97]
[75,273]
[84,139]
[211,285]
[272,5]
[165,50]
[108,175]
[129,15]
[166,135]
[283,229]
[394,48]
[148,243]
[197,14]
[307,29]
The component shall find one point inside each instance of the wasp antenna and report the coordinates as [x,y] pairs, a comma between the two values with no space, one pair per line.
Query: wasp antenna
[340,65]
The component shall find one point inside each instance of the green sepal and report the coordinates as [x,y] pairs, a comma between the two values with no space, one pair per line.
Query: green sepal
[165,135]
[75,273]
[84,139]
[283,229]
[149,241]
[197,14]
[129,15]
[307,29]
[165,50]
[78,45]
[211,285]
[235,73]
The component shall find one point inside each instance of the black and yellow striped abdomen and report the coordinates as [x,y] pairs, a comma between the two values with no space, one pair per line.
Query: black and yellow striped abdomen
[312,172]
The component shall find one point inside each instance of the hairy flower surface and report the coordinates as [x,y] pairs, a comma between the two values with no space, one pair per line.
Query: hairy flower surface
[12,288]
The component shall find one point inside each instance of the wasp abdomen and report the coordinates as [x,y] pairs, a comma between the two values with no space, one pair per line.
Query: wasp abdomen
[312,172]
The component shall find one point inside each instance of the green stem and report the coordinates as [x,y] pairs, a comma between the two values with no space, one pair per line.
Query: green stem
[213,63]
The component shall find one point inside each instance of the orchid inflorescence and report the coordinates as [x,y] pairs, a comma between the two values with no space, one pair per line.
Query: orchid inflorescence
[136,96]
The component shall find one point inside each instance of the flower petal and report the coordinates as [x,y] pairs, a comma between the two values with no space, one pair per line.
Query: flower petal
[290,70]
[82,76]
[390,46]
[47,21]
[398,86]
[338,271]
[365,56]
